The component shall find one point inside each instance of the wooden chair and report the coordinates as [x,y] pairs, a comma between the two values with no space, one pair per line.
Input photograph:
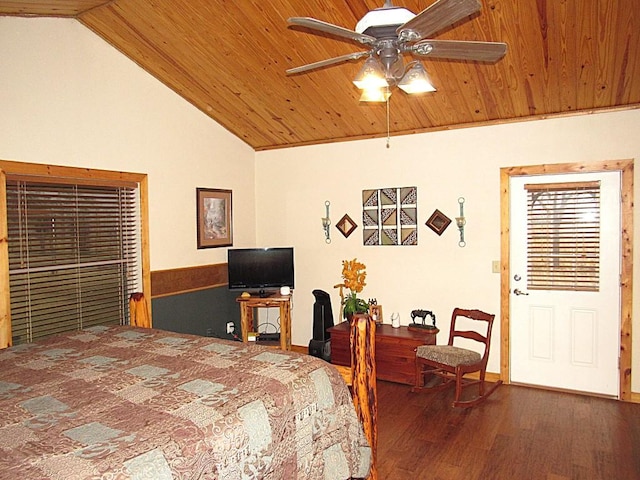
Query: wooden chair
[451,363]
[361,379]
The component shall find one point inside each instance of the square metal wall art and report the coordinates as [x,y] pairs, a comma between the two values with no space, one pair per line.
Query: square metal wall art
[389,216]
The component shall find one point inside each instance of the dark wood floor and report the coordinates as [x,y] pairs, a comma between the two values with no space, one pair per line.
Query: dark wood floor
[518,433]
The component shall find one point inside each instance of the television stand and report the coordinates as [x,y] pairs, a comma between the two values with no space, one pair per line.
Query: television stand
[282,302]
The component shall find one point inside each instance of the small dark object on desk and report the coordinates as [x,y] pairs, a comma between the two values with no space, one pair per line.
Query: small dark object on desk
[268,337]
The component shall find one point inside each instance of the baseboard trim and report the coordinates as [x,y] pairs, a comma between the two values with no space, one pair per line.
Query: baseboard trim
[299,349]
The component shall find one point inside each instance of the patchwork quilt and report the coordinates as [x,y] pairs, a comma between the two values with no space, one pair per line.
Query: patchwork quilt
[131,403]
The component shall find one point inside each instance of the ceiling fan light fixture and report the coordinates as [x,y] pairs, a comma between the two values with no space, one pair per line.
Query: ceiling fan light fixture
[375,95]
[371,75]
[385,16]
[416,80]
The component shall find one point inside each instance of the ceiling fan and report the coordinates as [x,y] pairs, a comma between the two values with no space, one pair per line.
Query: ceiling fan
[389,32]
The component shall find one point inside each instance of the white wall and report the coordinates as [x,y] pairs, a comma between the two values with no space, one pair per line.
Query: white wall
[69,98]
[293,184]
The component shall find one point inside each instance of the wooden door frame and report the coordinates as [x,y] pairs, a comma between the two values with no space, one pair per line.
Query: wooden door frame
[625,167]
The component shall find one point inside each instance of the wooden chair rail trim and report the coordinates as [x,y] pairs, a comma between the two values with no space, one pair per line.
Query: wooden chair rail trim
[187,279]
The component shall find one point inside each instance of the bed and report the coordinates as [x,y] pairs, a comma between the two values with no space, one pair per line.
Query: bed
[138,403]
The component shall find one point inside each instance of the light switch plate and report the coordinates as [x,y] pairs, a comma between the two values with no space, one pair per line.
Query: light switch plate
[495,266]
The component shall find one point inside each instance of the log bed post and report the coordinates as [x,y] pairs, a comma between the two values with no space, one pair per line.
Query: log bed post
[138,311]
[5,298]
[363,381]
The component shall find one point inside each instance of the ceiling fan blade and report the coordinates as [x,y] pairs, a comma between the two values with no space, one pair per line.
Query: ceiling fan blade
[321,26]
[437,16]
[329,61]
[461,50]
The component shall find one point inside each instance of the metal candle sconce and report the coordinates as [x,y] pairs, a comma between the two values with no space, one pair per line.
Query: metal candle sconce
[461,221]
[326,221]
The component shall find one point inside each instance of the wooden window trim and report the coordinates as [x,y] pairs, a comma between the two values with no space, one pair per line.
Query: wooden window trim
[55,173]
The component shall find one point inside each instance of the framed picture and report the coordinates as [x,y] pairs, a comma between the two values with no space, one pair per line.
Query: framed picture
[375,312]
[438,222]
[215,228]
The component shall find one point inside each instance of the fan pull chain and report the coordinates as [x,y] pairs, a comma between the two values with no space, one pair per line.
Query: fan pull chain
[388,129]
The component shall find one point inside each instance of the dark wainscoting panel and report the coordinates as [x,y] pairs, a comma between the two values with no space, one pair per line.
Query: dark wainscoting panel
[203,312]
[194,300]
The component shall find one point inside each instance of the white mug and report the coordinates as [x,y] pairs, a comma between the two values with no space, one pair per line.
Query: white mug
[395,320]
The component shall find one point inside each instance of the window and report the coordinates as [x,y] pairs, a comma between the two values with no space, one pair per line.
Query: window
[563,236]
[74,251]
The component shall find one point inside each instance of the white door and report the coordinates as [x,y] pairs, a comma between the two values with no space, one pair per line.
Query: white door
[563,338]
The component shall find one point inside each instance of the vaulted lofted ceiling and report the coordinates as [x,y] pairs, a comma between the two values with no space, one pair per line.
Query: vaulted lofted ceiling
[228,58]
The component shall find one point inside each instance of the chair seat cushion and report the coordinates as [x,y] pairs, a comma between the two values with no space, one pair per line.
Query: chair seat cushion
[448,355]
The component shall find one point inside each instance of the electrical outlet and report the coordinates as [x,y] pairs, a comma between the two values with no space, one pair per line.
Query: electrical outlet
[230,327]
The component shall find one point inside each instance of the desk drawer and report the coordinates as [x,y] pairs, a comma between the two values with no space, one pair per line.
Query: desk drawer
[395,350]
[395,358]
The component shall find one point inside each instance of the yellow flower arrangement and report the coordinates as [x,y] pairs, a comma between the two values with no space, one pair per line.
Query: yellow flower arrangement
[353,276]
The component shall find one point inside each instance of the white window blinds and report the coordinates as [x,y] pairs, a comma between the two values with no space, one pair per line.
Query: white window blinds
[73,255]
[563,236]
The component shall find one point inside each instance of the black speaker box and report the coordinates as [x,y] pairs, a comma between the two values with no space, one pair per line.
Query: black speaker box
[322,315]
[320,349]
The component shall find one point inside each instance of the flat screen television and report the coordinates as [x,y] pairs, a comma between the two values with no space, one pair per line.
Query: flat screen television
[264,270]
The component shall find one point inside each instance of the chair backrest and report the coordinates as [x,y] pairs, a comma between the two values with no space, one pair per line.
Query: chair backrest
[481,334]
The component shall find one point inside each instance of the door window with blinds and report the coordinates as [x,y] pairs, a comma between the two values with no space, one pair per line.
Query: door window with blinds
[73,255]
[563,236]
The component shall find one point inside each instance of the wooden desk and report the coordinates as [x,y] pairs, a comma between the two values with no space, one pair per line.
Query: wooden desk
[282,302]
[395,350]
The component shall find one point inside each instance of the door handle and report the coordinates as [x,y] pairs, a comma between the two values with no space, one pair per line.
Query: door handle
[517,291]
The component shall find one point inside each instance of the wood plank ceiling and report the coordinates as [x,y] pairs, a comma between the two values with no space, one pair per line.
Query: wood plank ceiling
[229,60]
